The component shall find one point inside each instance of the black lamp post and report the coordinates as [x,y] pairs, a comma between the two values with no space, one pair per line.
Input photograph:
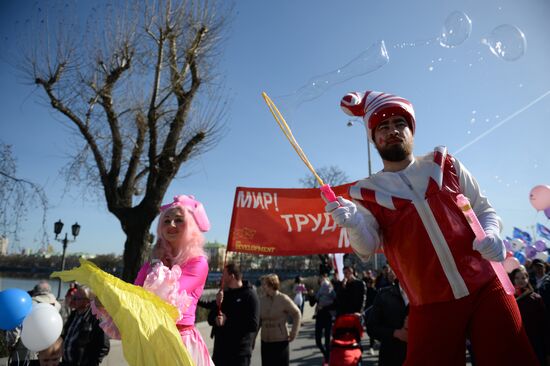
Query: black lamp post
[349,124]
[57,227]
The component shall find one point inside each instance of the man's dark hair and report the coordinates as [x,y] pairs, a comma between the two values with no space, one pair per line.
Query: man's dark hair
[235,270]
[537,261]
[351,268]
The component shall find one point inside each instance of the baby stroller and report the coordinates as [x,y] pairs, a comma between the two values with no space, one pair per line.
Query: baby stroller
[345,347]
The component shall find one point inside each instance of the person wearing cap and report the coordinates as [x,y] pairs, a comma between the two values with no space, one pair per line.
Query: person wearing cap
[179,268]
[409,208]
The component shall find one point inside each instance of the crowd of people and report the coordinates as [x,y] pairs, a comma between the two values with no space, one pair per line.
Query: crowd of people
[243,314]
[377,299]
[82,341]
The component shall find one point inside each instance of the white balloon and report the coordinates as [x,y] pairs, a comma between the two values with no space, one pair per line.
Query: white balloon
[510,264]
[41,327]
[517,244]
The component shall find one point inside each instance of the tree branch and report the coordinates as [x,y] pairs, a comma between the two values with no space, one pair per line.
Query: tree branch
[122,63]
[191,60]
[130,179]
[184,98]
[183,155]
[59,106]
[152,116]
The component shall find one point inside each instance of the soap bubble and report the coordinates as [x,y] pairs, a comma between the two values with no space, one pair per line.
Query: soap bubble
[456,29]
[366,62]
[507,42]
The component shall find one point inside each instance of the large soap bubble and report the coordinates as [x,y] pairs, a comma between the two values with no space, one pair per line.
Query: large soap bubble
[456,29]
[506,42]
[366,62]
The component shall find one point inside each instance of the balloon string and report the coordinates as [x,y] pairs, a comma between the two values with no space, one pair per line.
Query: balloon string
[288,133]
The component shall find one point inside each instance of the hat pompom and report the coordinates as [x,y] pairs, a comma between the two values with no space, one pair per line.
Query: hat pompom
[353,104]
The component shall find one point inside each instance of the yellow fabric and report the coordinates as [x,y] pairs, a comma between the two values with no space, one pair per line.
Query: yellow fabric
[146,323]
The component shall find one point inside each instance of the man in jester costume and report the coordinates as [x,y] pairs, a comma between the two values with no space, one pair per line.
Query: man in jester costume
[409,209]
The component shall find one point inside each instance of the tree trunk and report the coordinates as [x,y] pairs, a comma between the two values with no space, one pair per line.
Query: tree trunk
[136,226]
[134,249]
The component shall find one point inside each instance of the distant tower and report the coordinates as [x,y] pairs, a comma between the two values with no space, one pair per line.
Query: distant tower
[3,245]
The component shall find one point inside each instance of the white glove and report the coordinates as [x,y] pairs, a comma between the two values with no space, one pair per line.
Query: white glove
[491,247]
[344,212]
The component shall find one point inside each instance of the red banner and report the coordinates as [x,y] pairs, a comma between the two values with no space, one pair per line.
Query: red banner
[276,221]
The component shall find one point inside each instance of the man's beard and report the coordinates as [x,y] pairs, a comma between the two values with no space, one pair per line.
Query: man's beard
[395,152]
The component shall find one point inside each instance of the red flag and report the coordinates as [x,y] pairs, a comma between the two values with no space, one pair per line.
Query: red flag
[277,221]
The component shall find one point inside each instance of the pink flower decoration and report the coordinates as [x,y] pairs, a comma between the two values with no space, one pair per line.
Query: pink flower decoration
[163,282]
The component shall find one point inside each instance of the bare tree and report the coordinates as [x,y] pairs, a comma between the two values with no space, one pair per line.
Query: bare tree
[17,196]
[331,175]
[138,87]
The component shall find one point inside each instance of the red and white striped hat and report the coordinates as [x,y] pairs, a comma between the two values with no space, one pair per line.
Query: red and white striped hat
[375,107]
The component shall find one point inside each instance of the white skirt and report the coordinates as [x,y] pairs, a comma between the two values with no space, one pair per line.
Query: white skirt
[192,340]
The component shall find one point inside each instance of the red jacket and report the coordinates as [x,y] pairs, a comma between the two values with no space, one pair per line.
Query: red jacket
[425,236]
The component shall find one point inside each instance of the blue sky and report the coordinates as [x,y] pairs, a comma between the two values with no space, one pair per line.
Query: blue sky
[459,94]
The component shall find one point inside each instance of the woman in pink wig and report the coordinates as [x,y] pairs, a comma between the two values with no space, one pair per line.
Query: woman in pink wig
[177,273]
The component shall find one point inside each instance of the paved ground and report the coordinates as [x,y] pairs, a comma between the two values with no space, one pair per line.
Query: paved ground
[303,351]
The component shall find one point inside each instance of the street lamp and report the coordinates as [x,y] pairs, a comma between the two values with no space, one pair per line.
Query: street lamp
[75,230]
[349,124]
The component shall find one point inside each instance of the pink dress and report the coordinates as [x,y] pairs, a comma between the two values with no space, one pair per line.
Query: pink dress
[181,286]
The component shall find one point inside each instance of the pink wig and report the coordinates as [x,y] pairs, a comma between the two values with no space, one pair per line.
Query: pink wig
[192,243]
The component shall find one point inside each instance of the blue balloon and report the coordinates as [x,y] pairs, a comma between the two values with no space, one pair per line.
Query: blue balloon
[15,305]
[520,257]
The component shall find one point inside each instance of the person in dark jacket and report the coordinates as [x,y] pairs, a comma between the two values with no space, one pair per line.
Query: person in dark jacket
[387,323]
[382,278]
[540,281]
[236,326]
[371,295]
[533,314]
[325,299]
[84,342]
[351,294]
